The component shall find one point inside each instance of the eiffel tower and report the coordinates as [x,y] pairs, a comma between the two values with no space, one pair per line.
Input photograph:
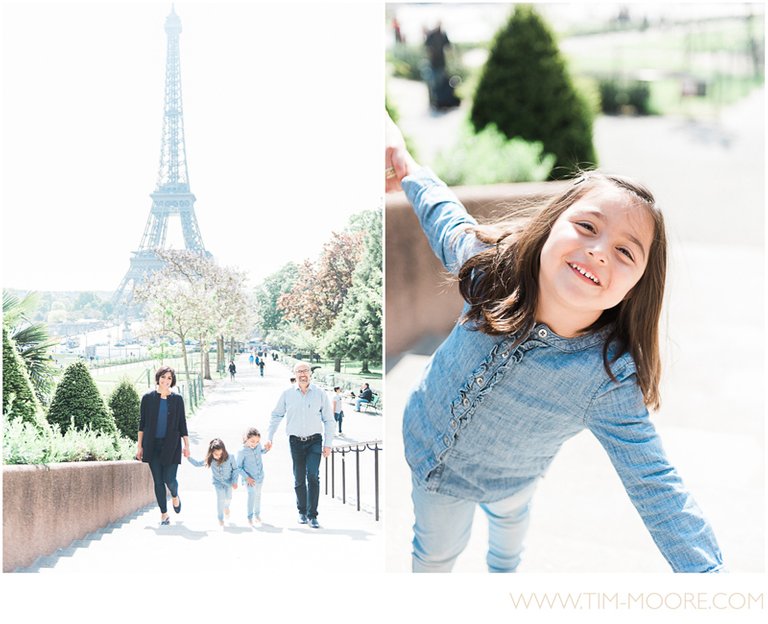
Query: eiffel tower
[172,196]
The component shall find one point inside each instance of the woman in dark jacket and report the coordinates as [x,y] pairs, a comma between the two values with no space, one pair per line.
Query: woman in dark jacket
[162,428]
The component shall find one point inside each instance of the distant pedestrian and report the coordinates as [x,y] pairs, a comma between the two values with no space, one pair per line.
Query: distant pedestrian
[309,426]
[338,413]
[162,429]
[232,370]
[293,381]
[441,94]
[261,367]
[252,471]
[224,472]
[250,359]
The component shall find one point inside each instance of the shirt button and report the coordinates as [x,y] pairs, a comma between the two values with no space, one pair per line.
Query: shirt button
[542,333]
[505,354]
[446,440]
[454,424]
[465,402]
[479,381]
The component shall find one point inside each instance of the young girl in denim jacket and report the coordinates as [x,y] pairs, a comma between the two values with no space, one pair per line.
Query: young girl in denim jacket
[252,470]
[559,332]
[224,471]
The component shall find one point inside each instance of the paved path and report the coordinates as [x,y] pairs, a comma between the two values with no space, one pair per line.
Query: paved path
[347,541]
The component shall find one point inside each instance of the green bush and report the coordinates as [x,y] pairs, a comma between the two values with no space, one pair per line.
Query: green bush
[25,444]
[19,400]
[77,403]
[526,90]
[618,96]
[407,61]
[489,157]
[410,62]
[126,407]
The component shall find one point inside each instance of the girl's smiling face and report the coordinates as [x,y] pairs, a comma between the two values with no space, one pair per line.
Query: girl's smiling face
[596,252]
[252,441]
[217,453]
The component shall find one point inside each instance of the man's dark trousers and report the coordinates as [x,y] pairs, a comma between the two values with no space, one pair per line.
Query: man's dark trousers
[306,455]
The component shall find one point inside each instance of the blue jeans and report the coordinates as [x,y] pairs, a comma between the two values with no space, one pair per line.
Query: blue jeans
[254,500]
[444,523]
[223,498]
[339,417]
[306,473]
[359,402]
[163,475]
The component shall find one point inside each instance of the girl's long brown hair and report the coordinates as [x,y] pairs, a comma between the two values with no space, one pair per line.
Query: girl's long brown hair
[215,445]
[501,284]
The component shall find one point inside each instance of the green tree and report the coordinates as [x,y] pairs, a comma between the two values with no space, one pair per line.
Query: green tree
[19,400]
[357,332]
[32,342]
[526,90]
[126,409]
[77,402]
[270,317]
[317,296]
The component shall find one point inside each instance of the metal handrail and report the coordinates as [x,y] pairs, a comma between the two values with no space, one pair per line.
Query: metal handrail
[357,447]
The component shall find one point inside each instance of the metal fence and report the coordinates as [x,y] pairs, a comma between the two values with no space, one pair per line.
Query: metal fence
[332,467]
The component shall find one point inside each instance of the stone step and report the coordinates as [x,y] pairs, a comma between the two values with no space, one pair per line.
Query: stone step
[194,539]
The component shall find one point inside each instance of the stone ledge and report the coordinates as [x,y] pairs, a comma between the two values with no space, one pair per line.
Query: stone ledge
[47,507]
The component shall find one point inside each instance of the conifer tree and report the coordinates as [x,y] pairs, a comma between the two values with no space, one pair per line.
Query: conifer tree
[126,408]
[525,89]
[77,401]
[19,400]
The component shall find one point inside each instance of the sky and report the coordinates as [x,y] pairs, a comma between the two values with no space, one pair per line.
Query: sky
[282,123]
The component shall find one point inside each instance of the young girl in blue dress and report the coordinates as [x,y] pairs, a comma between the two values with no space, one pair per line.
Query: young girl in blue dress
[224,472]
[559,333]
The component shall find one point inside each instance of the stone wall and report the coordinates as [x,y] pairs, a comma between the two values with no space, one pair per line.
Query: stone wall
[47,507]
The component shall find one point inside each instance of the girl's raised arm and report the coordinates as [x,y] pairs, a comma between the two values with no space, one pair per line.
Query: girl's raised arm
[441,215]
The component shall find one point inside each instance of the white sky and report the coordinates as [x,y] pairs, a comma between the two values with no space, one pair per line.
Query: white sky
[282,117]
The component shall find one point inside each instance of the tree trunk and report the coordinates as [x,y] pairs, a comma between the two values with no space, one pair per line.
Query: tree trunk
[202,358]
[337,365]
[207,369]
[220,354]
[185,360]
[364,368]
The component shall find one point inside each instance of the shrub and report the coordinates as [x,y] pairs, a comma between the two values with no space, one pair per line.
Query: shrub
[126,406]
[19,400]
[525,89]
[77,402]
[25,444]
[489,157]
[616,96]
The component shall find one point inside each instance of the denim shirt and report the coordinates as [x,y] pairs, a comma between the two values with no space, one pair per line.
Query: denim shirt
[223,475]
[250,464]
[305,414]
[486,420]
